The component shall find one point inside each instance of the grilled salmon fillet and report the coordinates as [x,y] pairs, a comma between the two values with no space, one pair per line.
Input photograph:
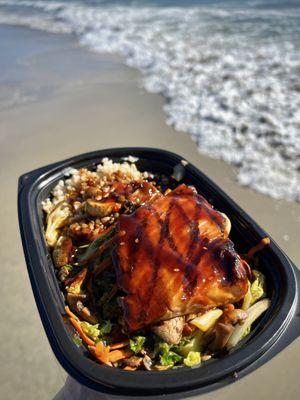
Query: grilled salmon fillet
[174,257]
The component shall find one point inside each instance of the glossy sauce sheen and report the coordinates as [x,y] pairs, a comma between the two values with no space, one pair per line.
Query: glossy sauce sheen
[174,257]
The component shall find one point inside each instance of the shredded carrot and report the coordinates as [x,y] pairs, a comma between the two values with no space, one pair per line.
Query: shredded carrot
[261,245]
[84,337]
[129,368]
[102,352]
[71,315]
[119,345]
[117,355]
[92,350]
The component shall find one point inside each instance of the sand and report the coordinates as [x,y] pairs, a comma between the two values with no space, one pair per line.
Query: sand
[71,101]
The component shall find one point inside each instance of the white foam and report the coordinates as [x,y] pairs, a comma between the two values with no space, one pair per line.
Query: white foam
[230,76]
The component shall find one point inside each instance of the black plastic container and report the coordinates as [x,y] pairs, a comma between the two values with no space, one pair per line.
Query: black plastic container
[275,330]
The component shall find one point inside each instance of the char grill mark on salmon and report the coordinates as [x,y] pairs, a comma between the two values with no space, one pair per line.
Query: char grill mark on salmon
[174,257]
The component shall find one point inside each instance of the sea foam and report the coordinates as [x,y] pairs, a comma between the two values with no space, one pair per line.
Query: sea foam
[230,75]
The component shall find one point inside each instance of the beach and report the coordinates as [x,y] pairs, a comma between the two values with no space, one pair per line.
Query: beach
[62,100]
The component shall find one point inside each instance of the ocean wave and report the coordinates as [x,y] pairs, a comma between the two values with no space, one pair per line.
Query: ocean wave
[230,75]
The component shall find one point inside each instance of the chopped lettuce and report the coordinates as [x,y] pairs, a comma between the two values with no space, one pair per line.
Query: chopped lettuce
[170,358]
[161,347]
[192,359]
[90,330]
[257,287]
[105,327]
[167,356]
[95,332]
[77,340]
[136,343]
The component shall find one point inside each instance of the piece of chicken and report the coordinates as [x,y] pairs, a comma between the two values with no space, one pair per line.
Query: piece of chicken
[170,331]
[101,208]
[174,257]
[147,192]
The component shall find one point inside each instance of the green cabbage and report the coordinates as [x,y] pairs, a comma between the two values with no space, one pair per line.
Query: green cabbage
[96,331]
[77,340]
[168,357]
[192,344]
[90,330]
[242,330]
[192,359]
[105,327]
[136,343]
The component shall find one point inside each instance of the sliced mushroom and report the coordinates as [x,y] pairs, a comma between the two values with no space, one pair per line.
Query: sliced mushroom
[85,313]
[171,330]
[74,285]
[161,367]
[63,273]
[62,252]
[147,362]
[101,208]
[133,361]
[74,301]
[76,296]
[73,298]
[220,336]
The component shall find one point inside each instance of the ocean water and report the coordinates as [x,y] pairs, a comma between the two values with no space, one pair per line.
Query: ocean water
[229,71]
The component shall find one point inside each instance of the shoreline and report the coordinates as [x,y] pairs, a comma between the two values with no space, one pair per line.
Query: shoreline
[278,217]
[87,101]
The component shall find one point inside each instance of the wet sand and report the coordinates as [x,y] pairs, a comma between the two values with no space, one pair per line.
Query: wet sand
[58,100]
